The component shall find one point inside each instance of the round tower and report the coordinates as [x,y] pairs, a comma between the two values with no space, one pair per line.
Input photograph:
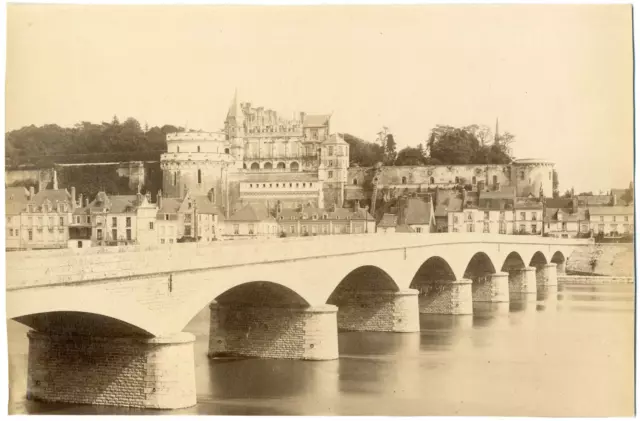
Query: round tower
[533,175]
[198,162]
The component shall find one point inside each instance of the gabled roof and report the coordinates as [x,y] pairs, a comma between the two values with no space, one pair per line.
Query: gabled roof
[170,205]
[404,228]
[15,200]
[388,220]
[205,206]
[565,215]
[115,203]
[316,120]
[252,213]
[417,212]
[611,210]
[50,195]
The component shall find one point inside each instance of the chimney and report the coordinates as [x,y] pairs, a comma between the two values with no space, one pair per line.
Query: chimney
[55,180]
[159,200]
[356,205]
[86,202]
[32,192]
[73,197]
[80,204]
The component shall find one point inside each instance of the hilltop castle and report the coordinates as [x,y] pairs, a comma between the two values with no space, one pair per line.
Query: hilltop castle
[261,157]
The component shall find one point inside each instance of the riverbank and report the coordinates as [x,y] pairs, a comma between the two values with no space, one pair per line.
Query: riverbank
[594,280]
[612,260]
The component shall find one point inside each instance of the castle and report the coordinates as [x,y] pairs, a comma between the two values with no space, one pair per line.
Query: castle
[261,157]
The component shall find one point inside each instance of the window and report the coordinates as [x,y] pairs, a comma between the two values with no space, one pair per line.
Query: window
[469,216]
[162,241]
[330,149]
[166,216]
[128,221]
[523,216]
[534,228]
[30,235]
[304,229]
[355,181]
[61,221]
[503,228]
[77,220]
[10,232]
[170,240]
[99,234]
[151,225]
[187,231]
[485,227]
[198,148]
[614,218]
[486,214]
[79,244]
[626,219]
[128,235]
[114,234]
[564,226]
[521,175]
[473,180]
[88,219]
[418,229]
[178,148]
[199,177]
[455,219]
[523,228]
[292,229]
[495,179]
[470,228]
[330,174]
[432,180]
[236,229]
[314,229]
[534,216]
[325,229]
[314,133]
[457,180]
[404,180]
[250,229]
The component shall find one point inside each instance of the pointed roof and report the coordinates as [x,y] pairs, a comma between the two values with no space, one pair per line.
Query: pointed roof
[234,109]
[252,213]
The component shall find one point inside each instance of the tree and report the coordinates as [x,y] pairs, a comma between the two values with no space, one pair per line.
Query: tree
[628,194]
[567,194]
[410,156]
[556,184]
[388,144]
[362,153]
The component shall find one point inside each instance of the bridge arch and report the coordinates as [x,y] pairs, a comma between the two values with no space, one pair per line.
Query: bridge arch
[479,267]
[262,294]
[363,278]
[538,259]
[513,261]
[433,270]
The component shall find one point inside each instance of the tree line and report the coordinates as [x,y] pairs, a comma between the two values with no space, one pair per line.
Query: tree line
[445,145]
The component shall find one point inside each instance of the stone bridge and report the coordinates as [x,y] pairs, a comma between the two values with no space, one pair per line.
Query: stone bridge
[107,323]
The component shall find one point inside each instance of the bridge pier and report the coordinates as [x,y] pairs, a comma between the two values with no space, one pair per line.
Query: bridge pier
[117,371]
[378,311]
[493,290]
[304,333]
[447,297]
[546,275]
[522,284]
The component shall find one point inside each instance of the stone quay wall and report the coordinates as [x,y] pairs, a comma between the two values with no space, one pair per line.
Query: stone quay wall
[596,280]
[131,372]
[267,332]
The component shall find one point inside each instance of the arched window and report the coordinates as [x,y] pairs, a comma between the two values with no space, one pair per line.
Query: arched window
[355,181]
[268,165]
[294,166]
[404,180]
[199,176]
[457,180]
[281,165]
[198,148]
[244,166]
[432,180]
[178,147]
[255,166]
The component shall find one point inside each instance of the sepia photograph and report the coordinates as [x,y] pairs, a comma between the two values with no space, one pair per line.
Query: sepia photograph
[320,210]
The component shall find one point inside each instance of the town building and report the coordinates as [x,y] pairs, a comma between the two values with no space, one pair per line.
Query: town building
[564,218]
[15,202]
[252,221]
[45,220]
[528,216]
[311,221]
[611,220]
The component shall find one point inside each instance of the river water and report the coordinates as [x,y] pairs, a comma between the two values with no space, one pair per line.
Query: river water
[573,356]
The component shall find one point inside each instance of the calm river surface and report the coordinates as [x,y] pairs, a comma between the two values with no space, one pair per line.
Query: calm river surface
[571,357]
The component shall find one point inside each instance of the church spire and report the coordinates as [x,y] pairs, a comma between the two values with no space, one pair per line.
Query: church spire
[234,110]
[496,136]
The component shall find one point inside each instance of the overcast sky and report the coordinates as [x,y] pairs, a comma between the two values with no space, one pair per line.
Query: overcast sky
[558,77]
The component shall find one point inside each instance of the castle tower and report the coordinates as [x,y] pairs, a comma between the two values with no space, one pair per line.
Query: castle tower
[530,176]
[235,129]
[333,169]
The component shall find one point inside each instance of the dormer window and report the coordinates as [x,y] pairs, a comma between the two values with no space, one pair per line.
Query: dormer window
[324,216]
[315,216]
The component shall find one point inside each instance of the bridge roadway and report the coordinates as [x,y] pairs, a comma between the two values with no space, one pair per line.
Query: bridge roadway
[107,322]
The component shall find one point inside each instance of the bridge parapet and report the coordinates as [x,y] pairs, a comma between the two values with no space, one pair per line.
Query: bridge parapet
[41,268]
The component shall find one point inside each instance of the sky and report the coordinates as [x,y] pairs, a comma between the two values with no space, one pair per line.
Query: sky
[558,77]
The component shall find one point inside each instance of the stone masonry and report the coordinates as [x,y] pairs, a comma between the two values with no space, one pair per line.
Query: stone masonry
[308,333]
[522,283]
[448,297]
[494,290]
[547,275]
[127,371]
[379,311]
